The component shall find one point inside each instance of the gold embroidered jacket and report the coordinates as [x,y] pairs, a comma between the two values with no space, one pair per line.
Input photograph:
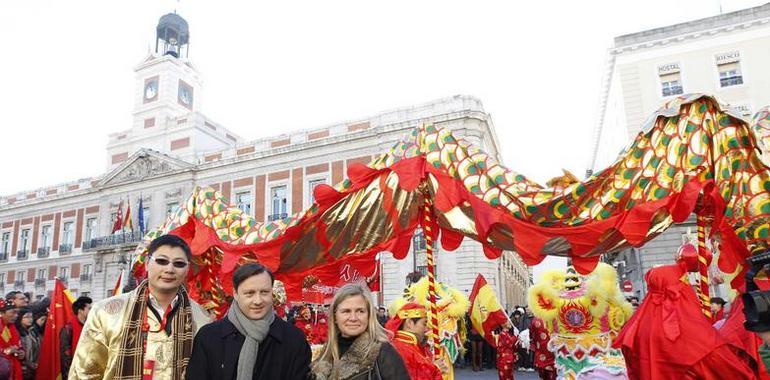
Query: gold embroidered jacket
[97,350]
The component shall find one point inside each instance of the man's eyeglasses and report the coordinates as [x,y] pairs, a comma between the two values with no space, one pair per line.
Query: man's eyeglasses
[162,261]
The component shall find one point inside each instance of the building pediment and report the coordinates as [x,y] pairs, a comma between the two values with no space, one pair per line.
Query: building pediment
[144,164]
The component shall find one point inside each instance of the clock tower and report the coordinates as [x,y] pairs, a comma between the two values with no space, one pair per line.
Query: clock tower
[167,102]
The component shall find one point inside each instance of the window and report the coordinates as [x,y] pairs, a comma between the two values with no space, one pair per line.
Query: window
[671,84]
[171,208]
[730,74]
[311,185]
[21,276]
[85,273]
[146,218]
[277,203]
[67,235]
[64,272]
[24,240]
[243,199]
[729,68]
[418,241]
[5,246]
[90,229]
[2,278]
[41,274]
[45,237]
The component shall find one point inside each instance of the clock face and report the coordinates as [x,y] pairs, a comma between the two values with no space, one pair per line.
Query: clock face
[150,90]
[185,94]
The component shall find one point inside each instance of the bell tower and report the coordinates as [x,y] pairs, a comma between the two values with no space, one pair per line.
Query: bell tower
[168,84]
[167,103]
[172,36]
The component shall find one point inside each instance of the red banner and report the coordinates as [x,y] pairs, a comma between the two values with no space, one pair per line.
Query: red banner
[319,284]
[59,314]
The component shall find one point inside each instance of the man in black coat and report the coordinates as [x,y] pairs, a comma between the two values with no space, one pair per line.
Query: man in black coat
[250,342]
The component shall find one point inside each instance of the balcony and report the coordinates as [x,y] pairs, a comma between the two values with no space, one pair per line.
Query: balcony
[674,90]
[22,254]
[65,249]
[85,277]
[39,282]
[731,81]
[18,284]
[130,237]
[43,252]
[273,217]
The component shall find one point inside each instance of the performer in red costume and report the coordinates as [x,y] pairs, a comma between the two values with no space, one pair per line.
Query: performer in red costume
[315,330]
[669,337]
[736,334]
[538,343]
[409,327]
[506,352]
[10,341]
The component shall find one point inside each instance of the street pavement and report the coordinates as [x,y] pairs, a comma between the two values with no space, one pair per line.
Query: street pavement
[489,374]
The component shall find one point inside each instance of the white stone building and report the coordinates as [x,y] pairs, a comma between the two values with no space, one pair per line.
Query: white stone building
[65,230]
[725,55]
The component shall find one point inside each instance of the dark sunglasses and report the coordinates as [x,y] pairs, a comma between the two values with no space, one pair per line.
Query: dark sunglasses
[162,261]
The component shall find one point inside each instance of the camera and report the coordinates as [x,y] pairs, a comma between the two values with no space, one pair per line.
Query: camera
[756,303]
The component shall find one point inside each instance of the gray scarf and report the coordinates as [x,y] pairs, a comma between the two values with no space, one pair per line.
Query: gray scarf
[255,332]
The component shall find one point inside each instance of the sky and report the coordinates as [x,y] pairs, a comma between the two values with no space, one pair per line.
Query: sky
[67,81]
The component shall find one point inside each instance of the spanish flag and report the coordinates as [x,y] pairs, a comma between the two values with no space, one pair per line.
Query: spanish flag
[118,288]
[486,312]
[60,312]
[127,223]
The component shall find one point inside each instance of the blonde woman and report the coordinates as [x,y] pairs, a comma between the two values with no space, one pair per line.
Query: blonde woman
[357,347]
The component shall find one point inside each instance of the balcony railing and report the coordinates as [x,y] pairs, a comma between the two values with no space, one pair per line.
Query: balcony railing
[3,256]
[18,283]
[22,254]
[65,249]
[112,240]
[673,90]
[731,81]
[39,282]
[85,277]
[43,251]
[273,217]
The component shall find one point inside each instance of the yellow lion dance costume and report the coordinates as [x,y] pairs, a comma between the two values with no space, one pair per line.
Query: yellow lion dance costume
[452,305]
[583,315]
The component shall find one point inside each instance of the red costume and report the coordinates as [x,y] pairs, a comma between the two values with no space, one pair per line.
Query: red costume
[416,358]
[669,337]
[506,354]
[746,341]
[538,343]
[315,331]
[10,339]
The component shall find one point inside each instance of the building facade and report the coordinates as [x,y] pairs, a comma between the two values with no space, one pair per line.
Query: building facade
[66,230]
[725,56]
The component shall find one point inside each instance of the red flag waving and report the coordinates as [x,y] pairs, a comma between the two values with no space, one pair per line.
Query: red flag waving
[486,312]
[59,314]
[118,219]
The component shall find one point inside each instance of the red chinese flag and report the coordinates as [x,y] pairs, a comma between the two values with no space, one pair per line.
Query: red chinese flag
[118,219]
[60,312]
[486,313]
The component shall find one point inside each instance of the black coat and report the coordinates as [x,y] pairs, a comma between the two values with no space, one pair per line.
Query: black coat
[284,354]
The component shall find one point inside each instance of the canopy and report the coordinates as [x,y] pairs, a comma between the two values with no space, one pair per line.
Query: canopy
[690,156]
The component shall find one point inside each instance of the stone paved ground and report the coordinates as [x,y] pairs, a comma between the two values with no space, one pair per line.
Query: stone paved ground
[489,374]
